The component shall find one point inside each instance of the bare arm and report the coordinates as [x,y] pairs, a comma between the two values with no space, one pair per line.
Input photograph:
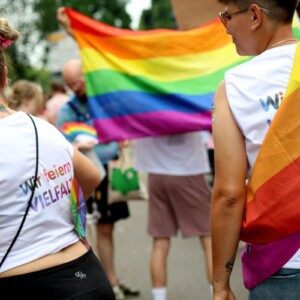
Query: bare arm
[86,174]
[63,19]
[228,197]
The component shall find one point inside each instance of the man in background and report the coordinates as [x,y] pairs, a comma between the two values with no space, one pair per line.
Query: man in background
[58,98]
[179,198]
[77,110]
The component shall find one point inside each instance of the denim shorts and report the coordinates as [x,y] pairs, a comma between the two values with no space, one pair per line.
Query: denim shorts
[283,285]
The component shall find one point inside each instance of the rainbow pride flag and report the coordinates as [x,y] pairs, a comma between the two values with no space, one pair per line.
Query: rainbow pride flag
[74,129]
[78,209]
[296,26]
[273,193]
[155,82]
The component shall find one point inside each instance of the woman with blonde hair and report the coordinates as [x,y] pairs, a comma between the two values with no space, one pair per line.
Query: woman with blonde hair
[26,96]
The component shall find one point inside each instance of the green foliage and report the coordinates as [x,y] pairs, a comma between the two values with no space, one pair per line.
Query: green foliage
[19,70]
[36,19]
[160,15]
[108,11]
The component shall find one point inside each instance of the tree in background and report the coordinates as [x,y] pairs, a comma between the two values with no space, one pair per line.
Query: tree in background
[111,12]
[36,19]
[160,15]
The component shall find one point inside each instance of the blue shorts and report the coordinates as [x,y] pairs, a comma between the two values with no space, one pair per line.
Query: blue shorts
[283,285]
[81,279]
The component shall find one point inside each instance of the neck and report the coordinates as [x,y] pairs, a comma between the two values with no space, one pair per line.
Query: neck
[282,36]
[282,42]
[4,110]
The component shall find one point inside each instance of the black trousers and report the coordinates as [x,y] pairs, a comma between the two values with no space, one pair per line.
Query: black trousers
[81,279]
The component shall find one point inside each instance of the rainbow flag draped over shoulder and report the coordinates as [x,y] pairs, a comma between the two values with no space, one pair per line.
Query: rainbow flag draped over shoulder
[273,193]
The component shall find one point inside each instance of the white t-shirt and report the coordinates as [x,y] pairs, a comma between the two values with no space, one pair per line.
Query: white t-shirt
[254,106]
[178,154]
[254,92]
[49,226]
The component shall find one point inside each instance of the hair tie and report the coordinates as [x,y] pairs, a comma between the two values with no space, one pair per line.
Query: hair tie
[4,43]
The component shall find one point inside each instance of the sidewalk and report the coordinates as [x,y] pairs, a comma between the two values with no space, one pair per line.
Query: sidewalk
[186,273]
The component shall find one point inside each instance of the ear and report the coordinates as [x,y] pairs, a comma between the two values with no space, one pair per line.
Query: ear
[256,15]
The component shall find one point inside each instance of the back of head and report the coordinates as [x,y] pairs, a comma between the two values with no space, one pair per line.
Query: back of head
[72,68]
[7,36]
[58,87]
[22,92]
[281,11]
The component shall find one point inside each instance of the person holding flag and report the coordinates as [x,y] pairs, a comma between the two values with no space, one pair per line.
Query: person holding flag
[165,121]
[77,109]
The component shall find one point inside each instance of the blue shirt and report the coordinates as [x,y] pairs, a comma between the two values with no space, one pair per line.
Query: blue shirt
[78,111]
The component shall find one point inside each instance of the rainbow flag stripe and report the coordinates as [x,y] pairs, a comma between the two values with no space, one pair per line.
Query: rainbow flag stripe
[73,129]
[296,26]
[273,193]
[78,209]
[154,82]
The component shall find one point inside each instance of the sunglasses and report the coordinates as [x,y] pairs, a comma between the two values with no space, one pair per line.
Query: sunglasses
[226,17]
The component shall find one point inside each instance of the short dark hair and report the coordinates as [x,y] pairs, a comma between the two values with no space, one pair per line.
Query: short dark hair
[280,10]
[57,86]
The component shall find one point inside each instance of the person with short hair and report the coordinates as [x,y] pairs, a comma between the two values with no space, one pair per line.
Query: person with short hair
[246,105]
[58,98]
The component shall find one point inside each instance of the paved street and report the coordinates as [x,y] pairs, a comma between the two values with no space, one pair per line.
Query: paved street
[186,274]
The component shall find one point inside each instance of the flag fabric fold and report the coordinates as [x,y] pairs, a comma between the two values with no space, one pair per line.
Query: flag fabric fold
[273,193]
[153,82]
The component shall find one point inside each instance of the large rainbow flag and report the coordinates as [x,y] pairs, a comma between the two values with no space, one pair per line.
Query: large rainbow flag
[155,82]
[273,193]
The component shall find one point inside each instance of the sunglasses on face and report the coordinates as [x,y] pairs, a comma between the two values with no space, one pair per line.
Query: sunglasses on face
[226,17]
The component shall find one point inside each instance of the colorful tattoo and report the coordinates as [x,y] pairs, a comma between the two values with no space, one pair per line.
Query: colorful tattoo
[3,108]
[213,112]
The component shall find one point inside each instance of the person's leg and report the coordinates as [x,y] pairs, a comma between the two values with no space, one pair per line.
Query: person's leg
[105,245]
[162,226]
[105,239]
[206,246]
[191,198]
[158,267]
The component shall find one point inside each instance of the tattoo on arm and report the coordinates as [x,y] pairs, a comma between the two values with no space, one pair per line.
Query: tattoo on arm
[229,264]
[213,112]
[4,109]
